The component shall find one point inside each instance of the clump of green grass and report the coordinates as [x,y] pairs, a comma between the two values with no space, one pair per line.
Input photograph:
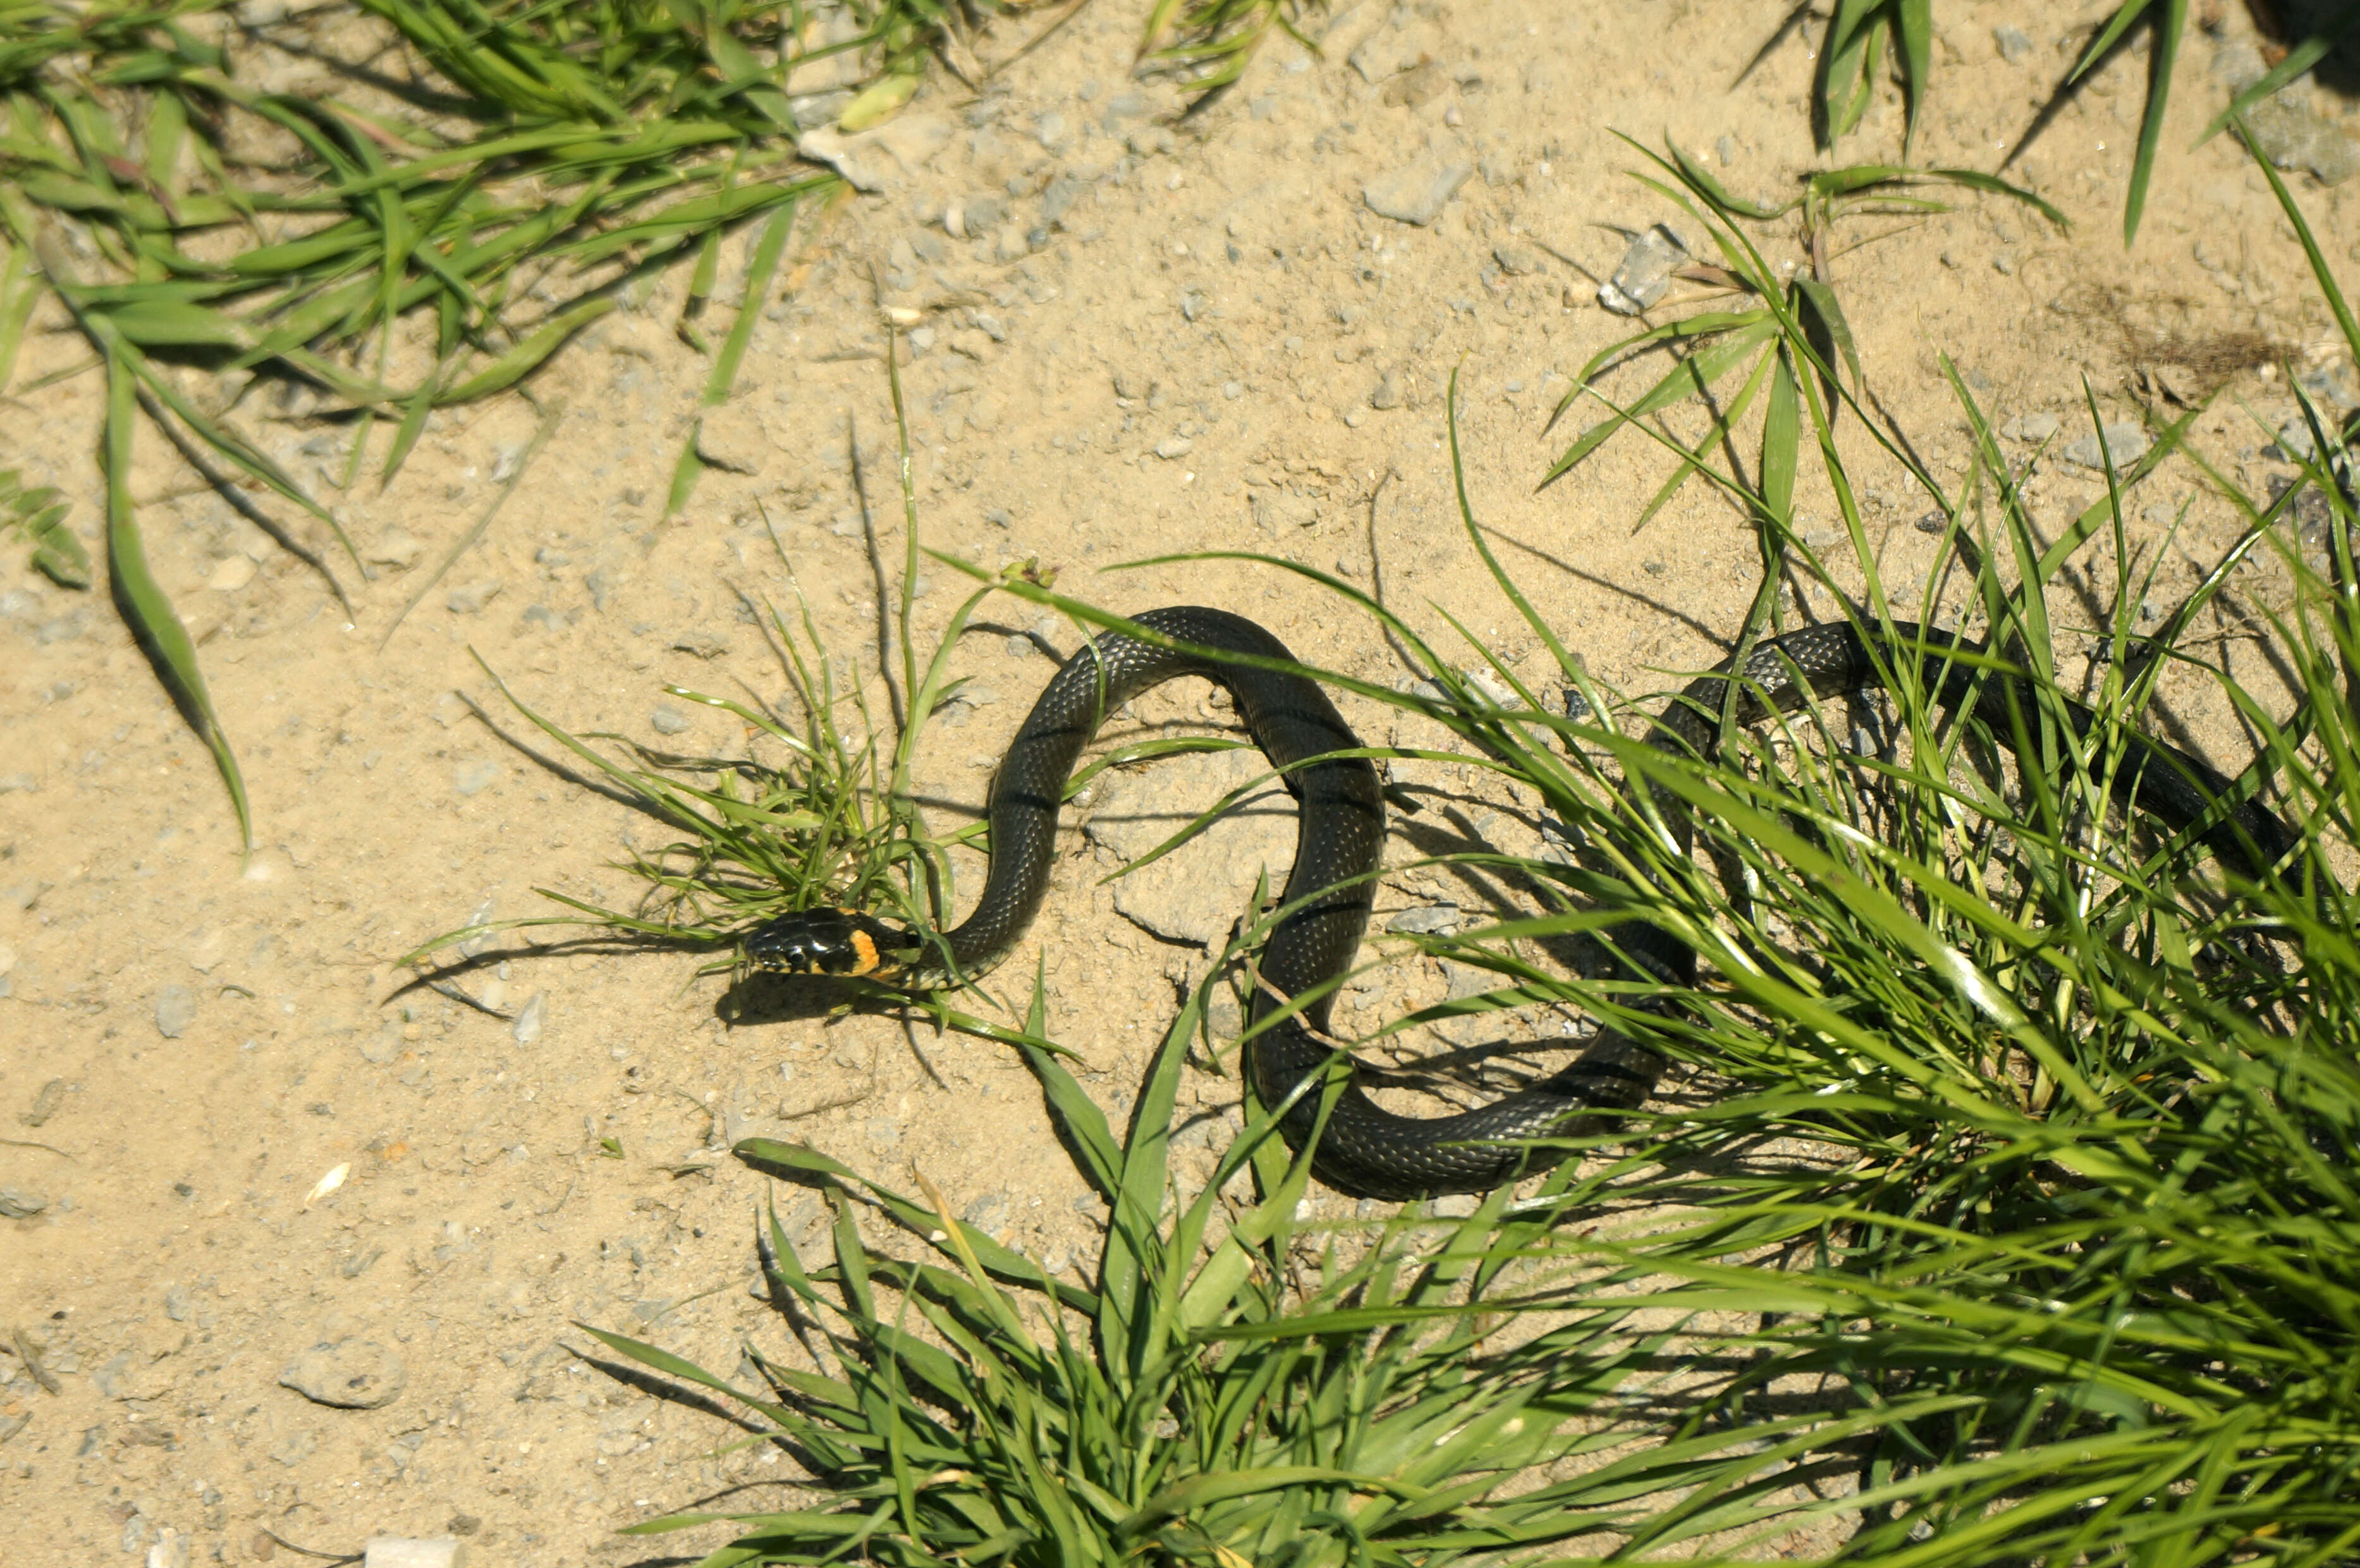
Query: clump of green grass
[1862,35]
[2012,1216]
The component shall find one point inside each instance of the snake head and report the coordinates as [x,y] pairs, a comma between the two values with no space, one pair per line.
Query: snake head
[827,941]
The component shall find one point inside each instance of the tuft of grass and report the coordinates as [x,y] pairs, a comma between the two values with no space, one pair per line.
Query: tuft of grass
[1235,1386]
[1863,36]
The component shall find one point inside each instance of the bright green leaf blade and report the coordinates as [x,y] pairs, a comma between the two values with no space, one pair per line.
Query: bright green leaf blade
[143,604]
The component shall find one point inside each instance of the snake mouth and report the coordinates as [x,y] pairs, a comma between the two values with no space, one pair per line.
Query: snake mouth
[839,942]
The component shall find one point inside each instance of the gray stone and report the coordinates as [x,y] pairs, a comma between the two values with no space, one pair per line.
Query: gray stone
[16,1203]
[529,1019]
[665,719]
[702,644]
[471,599]
[475,778]
[176,1009]
[346,1375]
[1417,193]
[427,1551]
[1518,260]
[1725,150]
[395,547]
[1057,199]
[988,1214]
[2295,441]
[1457,1206]
[1645,271]
[2013,43]
[1177,446]
[1196,893]
[977,215]
[2125,444]
[1280,512]
[1463,981]
[2285,126]
[881,159]
[295,1447]
[1434,920]
[2034,428]
[116,1379]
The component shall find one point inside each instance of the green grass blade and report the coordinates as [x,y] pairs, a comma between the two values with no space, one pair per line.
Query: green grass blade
[2320,273]
[2162,53]
[143,604]
[1913,21]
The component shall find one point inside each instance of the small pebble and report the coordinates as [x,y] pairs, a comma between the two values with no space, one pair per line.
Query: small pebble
[408,1552]
[529,1018]
[1725,150]
[2034,428]
[16,1203]
[1645,272]
[176,1009]
[1933,522]
[1435,920]
[474,778]
[667,719]
[470,600]
[2013,43]
[988,1214]
[395,547]
[1175,446]
[1518,260]
[2125,444]
[1417,193]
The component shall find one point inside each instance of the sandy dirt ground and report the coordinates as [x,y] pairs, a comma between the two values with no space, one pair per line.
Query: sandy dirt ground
[1147,336]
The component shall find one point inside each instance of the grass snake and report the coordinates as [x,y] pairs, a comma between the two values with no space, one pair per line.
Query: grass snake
[1367,1150]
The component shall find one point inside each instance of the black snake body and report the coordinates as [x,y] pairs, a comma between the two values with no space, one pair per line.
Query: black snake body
[1365,1149]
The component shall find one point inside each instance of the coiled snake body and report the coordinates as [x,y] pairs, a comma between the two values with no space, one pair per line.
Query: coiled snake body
[1365,1149]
